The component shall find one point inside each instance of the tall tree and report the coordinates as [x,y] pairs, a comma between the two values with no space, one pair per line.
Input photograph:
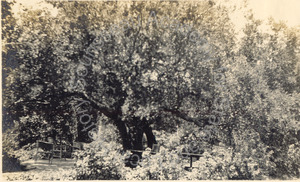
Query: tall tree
[160,64]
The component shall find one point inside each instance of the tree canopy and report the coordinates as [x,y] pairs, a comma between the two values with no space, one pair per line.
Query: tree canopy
[151,64]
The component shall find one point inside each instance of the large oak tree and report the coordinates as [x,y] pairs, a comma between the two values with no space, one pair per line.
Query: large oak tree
[155,66]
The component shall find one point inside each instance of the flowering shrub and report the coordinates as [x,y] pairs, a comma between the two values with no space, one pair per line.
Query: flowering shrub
[165,165]
[100,162]
[213,164]
[249,159]
[101,159]
[27,152]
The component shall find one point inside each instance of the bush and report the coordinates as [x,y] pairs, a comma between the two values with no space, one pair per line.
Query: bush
[165,165]
[100,162]
[102,159]
[250,158]
[214,164]
[27,152]
[294,159]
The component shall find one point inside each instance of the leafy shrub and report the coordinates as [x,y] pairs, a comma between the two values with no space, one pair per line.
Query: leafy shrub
[214,164]
[10,142]
[101,159]
[293,160]
[95,163]
[249,159]
[165,165]
[27,152]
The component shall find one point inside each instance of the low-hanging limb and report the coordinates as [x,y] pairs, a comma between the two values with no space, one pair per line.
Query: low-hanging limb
[116,114]
[185,117]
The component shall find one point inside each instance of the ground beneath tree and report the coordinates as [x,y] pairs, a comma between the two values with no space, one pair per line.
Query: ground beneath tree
[43,170]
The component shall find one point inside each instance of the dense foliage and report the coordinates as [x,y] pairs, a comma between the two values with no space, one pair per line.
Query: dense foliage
[153,70]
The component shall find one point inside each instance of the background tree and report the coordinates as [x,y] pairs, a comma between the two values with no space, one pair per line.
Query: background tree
[261,84]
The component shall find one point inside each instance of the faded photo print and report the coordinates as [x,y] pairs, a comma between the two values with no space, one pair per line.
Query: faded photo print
[150,90]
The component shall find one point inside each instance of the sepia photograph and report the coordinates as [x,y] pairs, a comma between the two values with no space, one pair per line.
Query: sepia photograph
[150,90]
